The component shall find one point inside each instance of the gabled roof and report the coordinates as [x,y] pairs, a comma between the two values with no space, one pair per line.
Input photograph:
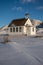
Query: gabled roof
[18,22]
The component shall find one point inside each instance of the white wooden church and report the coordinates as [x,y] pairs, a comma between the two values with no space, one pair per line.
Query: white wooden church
[22,26]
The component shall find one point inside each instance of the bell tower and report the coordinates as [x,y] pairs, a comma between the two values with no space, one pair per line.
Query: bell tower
[26,15]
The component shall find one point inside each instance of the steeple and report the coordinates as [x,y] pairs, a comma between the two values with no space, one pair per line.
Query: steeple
[26,15]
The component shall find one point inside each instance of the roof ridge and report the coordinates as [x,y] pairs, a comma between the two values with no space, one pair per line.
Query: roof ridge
[19,18]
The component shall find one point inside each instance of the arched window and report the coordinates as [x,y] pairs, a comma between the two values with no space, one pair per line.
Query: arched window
[33,29]
[20,29]
[16,29]
[10,29]
[13,29]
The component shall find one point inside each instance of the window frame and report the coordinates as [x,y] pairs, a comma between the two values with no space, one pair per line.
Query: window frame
[10,29]
[16,29]
[20,29]
[13,29]
[33,29]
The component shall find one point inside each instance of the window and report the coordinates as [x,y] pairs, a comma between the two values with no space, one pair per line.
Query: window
[13,29]
[33,29]
[10,29]
[20,29]
[16,29]
[27,25]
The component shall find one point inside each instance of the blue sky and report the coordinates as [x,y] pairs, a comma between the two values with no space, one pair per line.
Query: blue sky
[12,9]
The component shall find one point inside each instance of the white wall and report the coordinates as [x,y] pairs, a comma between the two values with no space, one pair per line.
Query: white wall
[15,33]
[33,32]
[24,30]
[28,22]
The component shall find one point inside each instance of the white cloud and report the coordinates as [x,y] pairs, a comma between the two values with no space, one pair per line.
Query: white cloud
[26,1]
[13,8]
[17,8]
[40,8]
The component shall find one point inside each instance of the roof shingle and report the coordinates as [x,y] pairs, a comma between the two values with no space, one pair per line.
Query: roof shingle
[18,22]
